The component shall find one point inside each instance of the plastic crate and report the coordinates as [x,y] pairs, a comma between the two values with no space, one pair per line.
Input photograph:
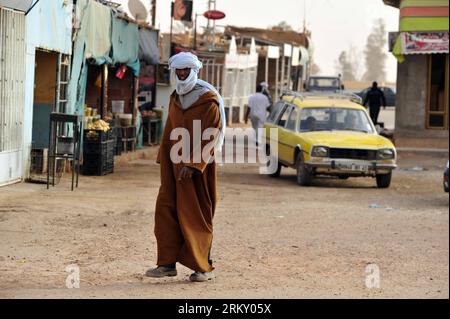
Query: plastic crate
[98,148]
[97,136]
[98,165]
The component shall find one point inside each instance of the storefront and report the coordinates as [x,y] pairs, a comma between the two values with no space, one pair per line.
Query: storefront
[421,47]
[38,41]
[12,93]
[111,55]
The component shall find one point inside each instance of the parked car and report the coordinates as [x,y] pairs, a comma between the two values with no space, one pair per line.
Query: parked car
[329,135]
[446,178]
[324,84]
[389,93]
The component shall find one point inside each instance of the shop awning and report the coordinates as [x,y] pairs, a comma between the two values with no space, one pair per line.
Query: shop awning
[148,46]
[420,43]
[304,56]
[125,44]
[95,32]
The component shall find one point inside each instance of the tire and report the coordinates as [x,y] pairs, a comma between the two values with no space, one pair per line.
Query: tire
[304,176]
[278,171]
[384,181]
[344,177]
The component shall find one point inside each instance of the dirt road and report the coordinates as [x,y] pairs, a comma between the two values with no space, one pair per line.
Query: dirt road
[273,239]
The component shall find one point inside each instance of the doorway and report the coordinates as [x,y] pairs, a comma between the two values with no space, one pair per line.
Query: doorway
[437,100]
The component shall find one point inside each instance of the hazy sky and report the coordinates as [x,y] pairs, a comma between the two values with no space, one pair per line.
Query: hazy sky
[336,25]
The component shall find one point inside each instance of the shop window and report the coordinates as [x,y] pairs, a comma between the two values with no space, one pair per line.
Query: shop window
[437,101]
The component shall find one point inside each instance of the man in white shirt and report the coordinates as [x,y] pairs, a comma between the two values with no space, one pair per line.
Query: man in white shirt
[257,111]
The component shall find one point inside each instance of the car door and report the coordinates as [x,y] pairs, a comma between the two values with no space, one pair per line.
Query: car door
[283,134]
[291,138]
[272,120]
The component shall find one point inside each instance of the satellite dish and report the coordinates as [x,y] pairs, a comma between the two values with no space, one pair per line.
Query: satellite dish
[139,10]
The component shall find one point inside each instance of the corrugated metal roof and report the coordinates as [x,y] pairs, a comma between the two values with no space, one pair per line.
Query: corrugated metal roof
[270,36]
[21,5]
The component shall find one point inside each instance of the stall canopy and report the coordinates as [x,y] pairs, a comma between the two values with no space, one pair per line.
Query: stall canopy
[148,46]
[125,44]
[304,56]
[102,38]
[93,42]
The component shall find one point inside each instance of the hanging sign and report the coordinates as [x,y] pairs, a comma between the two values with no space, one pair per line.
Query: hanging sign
[214,15]
[425,42]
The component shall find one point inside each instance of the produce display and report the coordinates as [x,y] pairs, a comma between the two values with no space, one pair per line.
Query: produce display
[98,125]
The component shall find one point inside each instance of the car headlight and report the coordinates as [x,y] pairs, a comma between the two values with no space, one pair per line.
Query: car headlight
[386,154]
[320,151]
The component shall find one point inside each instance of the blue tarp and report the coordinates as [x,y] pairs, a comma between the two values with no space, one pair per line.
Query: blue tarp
[148,46]
[125,44]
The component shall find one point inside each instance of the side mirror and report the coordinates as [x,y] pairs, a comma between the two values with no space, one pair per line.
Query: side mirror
[304,86]
[342,87]
[379,129]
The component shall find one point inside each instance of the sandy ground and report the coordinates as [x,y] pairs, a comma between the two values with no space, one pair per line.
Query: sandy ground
[273,239]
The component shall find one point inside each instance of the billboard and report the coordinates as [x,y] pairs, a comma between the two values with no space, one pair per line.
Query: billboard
[182,10]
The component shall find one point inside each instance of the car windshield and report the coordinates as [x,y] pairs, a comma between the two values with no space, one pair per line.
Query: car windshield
[335,119]
[324,83]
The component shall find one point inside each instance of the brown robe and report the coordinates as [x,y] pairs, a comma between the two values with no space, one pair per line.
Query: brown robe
[185,209]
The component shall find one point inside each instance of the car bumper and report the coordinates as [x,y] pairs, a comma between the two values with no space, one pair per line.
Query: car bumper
[350,167]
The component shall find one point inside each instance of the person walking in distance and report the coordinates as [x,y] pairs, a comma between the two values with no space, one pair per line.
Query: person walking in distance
[257,111]
[375,98]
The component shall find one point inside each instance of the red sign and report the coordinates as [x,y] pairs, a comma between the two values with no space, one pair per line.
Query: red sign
[214,15]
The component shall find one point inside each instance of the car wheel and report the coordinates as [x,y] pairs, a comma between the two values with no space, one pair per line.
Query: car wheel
[384,181]
[304,176]
[277,173]
[344,177]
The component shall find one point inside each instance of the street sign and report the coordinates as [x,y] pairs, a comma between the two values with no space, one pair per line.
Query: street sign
[214,15]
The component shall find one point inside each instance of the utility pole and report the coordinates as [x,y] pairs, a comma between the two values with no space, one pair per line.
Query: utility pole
[304,16]
[154,13]
[211,31]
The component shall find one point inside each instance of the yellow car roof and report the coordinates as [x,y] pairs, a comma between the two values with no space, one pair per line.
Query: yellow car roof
[306,101]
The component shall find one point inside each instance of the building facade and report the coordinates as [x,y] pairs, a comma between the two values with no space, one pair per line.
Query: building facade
[421,47]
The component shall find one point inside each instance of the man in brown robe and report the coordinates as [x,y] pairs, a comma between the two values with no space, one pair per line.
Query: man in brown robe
[188,195]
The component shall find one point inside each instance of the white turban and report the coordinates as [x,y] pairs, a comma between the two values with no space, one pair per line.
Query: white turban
[187,60]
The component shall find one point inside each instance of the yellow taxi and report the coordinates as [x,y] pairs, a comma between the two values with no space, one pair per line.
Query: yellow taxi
[328,135]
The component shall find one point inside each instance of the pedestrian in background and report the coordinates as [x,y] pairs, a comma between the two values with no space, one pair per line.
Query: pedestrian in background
[376,98]
[266,92]
[258,103]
